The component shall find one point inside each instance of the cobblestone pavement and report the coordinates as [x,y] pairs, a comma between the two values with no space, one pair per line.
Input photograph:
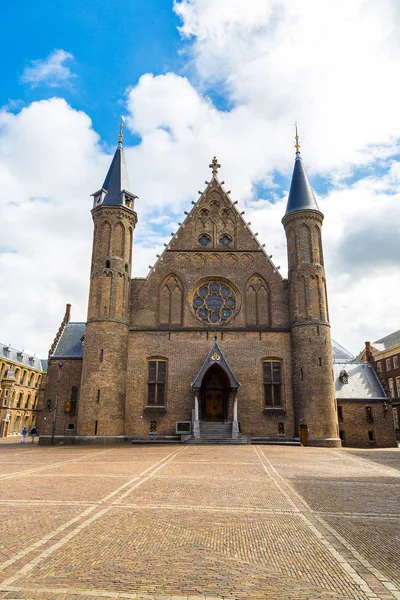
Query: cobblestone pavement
[193,523]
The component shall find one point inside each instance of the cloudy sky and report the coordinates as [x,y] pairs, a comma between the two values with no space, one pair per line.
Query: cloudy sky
[198,78]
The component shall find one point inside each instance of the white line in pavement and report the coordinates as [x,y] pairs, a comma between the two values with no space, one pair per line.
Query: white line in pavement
[63,527]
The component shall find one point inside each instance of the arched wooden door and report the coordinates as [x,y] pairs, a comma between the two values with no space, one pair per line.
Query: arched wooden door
[214,395]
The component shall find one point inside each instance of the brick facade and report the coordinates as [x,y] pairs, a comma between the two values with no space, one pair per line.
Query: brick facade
[146,339]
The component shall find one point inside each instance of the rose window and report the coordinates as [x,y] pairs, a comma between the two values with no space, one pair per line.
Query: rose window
[214,302]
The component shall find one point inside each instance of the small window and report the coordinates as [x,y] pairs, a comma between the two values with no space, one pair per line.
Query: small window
[153,426]
[108,264]
[157,372]
[398,386]
[71,426]
[98,397]
[204,240]
[281,428]
[395,362]
[272,384]
[126,267]
[391,388]
[379,366]
[74,399]
[388,364]
[101,355]
[371,436]
[340,413]
[225,240]
[368,414]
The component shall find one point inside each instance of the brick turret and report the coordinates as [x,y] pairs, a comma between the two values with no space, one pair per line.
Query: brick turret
[102,396]
[313,385]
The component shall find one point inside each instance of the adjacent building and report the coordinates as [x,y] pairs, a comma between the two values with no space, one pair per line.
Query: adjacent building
[384,356]
[22,382]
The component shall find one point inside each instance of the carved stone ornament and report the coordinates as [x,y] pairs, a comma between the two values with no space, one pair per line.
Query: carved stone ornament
[344,376]
[215,356]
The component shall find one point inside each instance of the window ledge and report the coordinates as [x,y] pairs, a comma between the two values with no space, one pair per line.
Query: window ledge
[155,407]
[274,412]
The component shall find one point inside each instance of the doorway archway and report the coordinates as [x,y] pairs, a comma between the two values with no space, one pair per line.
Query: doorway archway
[214,395]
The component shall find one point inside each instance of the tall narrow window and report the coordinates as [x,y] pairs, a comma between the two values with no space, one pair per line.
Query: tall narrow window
[156,382]
[74,398]
[272,384]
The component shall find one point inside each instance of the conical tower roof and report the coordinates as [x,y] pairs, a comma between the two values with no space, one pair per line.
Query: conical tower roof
[116,180]
[115,189]
[301,196]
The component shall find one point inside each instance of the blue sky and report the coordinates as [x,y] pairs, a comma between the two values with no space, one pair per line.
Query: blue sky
[195,79]
[112,44]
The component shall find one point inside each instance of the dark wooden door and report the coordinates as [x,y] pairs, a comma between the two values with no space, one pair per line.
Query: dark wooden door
[214,405]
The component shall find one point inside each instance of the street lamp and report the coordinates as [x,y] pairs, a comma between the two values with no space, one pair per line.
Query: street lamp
[53,429]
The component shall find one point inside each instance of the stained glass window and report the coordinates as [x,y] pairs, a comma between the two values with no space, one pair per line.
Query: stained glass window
[204,240]
[225,240]
[214,302]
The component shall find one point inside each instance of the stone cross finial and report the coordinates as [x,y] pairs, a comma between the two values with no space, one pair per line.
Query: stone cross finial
[214,166]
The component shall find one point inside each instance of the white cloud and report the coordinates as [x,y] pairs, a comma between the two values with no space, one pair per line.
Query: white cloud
[50,71]
[329,65]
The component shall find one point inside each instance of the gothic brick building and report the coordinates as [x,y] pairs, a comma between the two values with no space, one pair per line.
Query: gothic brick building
[214,342]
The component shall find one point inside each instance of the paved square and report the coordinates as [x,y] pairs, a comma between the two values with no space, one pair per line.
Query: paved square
[189,522]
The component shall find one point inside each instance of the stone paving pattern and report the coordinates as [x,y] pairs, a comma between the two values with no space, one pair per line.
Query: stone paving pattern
[193,523]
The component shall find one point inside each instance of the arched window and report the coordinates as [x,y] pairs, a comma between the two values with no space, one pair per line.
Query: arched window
[105,237]
[119,240]
[170,307]
[257,302]
[305,244]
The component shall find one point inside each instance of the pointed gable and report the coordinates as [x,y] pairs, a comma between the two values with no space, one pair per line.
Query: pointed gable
[214,224]
[215,357]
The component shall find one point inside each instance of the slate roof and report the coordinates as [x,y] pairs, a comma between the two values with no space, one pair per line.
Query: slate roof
[301,196]
[116,180]
[393,339]
[22,358]
[363,383]
[340,353]
[221,362]
[70,344]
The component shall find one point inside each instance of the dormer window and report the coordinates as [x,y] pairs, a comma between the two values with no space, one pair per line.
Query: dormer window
[128,201]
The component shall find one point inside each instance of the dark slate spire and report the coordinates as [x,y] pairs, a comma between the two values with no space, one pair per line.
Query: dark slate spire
[114,191]
[301,196]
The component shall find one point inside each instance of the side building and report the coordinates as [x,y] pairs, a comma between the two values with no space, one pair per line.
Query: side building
[22,382]
[384,356]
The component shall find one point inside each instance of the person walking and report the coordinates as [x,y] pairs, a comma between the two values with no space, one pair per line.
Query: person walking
[23,435]
[33,433]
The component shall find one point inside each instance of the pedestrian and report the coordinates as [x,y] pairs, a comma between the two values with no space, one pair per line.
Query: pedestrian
[23,435]
[33,433]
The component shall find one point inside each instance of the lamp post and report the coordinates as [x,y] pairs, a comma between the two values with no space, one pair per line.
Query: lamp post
[53,428]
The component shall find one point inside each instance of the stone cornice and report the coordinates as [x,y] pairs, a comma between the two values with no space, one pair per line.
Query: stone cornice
[303,215]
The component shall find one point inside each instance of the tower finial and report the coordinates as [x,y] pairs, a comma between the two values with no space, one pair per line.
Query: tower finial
[121,135]
[297,145]
[214,166]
